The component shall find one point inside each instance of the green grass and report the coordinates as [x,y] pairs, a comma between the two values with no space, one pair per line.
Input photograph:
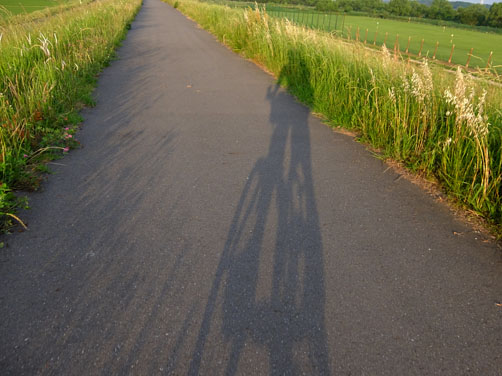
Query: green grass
[482,42]
[436,123]
[48,70]
[27,6]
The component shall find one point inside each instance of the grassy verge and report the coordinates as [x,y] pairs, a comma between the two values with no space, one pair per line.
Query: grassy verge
[438,40]
[447,126]
[47,73]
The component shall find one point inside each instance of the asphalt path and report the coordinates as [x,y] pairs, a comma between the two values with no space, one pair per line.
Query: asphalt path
[211,225]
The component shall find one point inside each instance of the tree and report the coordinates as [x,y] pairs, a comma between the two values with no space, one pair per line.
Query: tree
[418,9]
[371,6]
[475,14]
[345,5]
[400,7]
[495,15]
[326,5]
[441,10]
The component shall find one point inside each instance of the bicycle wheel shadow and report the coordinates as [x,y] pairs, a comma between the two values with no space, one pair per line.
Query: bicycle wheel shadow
[276,220]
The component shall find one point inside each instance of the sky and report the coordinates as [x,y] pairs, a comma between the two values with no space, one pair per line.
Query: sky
[485,1]
[489,2]
[477,2]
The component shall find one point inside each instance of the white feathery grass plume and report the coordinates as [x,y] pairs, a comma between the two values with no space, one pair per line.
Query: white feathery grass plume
[427,79]
[392,95]
[464,110]
[417,87]
[44,45]
[406,83]
[386,56]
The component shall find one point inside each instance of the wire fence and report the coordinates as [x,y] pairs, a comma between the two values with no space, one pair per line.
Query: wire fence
[335,23]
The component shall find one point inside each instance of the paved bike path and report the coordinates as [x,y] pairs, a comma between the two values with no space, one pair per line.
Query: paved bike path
[211,225]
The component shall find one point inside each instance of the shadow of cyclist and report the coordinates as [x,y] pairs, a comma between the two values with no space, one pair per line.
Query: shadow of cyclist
[276,219]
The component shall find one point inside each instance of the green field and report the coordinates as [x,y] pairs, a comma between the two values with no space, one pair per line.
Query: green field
[27,6]
[481,42]
[344,25]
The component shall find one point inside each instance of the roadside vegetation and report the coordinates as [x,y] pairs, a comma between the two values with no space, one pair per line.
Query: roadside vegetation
[443,125]
[48,67]
[472,46]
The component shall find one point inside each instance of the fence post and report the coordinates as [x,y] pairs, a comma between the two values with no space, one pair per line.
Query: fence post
[451,53]
[421,46]
[366,36]
[357,34]
[408,46]
[489,60]
[469,58]
[329,22]
[343,24]
[374,39]
[435,50]
[396,45]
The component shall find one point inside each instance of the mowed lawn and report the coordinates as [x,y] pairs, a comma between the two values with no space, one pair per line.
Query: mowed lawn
[27,6]
[481,42]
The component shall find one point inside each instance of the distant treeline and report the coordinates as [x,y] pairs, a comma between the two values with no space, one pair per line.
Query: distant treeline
[474,14]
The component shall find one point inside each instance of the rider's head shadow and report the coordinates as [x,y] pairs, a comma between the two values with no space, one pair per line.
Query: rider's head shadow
[296,76]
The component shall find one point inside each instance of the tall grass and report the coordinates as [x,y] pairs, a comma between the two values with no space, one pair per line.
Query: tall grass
[441,124]
[48,65]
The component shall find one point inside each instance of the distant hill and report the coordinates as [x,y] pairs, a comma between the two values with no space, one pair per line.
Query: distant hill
[464,4]
[456,4]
